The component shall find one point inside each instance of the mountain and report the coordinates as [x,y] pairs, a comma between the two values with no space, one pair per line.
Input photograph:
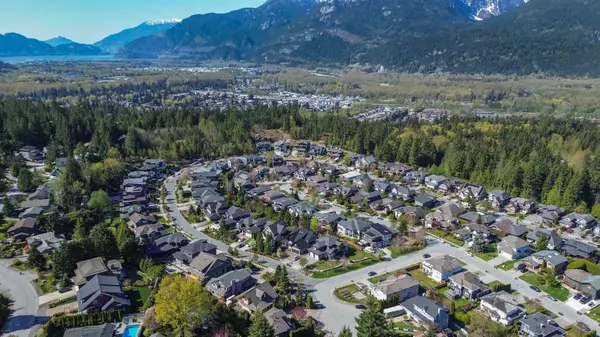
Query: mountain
[13,44]
[4,67]
[57,41]
[554,37]
[114,42]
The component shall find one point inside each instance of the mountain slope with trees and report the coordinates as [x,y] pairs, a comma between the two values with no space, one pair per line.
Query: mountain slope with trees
[114,42]
[13,44]
[540,36]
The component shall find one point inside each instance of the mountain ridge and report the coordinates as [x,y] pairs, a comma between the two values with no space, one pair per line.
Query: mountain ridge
[58,40]
[14,44]
[114,42]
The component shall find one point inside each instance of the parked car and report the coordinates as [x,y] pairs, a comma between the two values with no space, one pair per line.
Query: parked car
[583,326]
[536,289]
[577,296]
[591,304]
[372,273]
[552,298]
[63,289]
[426,256]
[584,300]
[241,245]
[360,306]
[297,257]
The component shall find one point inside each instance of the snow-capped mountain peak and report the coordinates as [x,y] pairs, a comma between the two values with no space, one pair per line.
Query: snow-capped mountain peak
[161,22]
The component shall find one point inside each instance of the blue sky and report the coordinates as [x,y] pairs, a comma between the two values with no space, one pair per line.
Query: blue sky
[88,21]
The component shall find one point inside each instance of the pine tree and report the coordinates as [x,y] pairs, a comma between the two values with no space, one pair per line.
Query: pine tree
[346,332]
[260,326]
[36,259]
[371,322]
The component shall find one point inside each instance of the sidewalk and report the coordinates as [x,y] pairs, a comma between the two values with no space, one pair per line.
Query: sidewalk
[56,296]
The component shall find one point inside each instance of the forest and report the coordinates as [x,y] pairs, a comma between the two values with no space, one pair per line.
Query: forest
[555,161]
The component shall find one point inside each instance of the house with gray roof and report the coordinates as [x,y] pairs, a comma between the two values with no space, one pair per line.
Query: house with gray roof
[104,330]
[231,283]
[507,227]
[23,229]
[101,293]
[552,259]
[512,247]
[498,198]
[377,236]
[330,218]
[425,200]
[583,282]
[87,269]
[501,307]
[440,268]
[468,286]
[300,240]
[434,181]
[261,297]
[425,311]
[353,228]
[554,240]
[474,217]
[413,212]
[583,221]
[540,325]
[579,249]
[404,286]
[281,324]
[45,243]
[190,251]
[205,266]
[41,203]
[168,244]
[327,248]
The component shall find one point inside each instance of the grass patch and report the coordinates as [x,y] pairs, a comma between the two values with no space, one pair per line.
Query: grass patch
[46,282]
[348,267]
[376,278]
[345,294]
[446,236]
[508,265]
[324,265]
[423,279]
[489,253]
[137,296]
[585,265]
[4,226]
[559,292]
[404,328]
[398,251]
[594,314]
[356,254]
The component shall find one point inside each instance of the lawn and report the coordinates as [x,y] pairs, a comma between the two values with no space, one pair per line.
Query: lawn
[323,265]
[594,314]
[398,251]
[348,267]
[356,254]
[447,236]
[4,227]
[404,328]
[589,266]
[345,294]
[423,279]
[46,282]
[559,292]
[459,302]
[376,278]
[137,296]
[508,265]
[490,252]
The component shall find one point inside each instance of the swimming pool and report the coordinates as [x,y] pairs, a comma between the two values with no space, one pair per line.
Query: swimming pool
[131,330]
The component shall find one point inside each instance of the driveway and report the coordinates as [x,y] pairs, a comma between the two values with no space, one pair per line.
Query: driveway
[19,289]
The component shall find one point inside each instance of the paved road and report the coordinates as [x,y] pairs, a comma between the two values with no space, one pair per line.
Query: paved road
[19,289]
[221,246]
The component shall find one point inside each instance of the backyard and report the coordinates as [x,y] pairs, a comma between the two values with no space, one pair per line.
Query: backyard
[537,280]
[137,296]
[585,265]
[423,279]
[489,253]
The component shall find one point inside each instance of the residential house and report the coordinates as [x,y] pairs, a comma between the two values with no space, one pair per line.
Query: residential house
[302,210]
[512,247]
[231,283]
[402,192]
[206,266]
[578,249]
[475,217]
[404,286]
[23,229]
[45,243]
[190,251]
[255,160]
[471,231]
[327,248]
[347,192]
[101,293]
[415,177]
[383,187]
[520,205]
[507,227]
[468,286]
[278,233]
[534,220]
[301,240]
[283,171]
[583,221]
[263,146]
[583,282]
[281,324]
[277,160]
[425,311]
[317,150]
[32,212]
[554,240]
[353,228]
[168,244]
[472,192]
[148,233]
[282,204]
[540,325]
[261,297]
[377,236]
[326,189]
[446,216]
[87,269]
[30,153]
[368,162]
[138,220]
[41,203]
[304,173]
[448,186]
[396,169]
[336,154]
[104,330]
[330,171]
[434,181]
[425,200]
[498,199]
[411,212]
[330,219]
[440,268]
[501,307]
[552,259]
[236,213]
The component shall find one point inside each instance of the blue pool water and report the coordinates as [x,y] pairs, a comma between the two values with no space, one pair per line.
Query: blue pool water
[131,330]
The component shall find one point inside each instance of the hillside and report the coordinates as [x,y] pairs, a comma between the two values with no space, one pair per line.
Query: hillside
[59,40]
[12,44]
[112,43]
[4,67]
[536,36]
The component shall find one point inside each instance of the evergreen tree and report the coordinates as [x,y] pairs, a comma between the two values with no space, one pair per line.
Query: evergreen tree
[25,181]
[371,322]
[346,332]
[103,242]
[36,259]
[260,326]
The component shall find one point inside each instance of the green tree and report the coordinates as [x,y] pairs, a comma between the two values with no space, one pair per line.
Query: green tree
[541,243]
[36,259]
[103,242]
[182,304]
[371,322]
[314,223]
[402,226]
[479,244]
[26,182]
[596,211]
[260,326]
[346,332]
[303,261]
[9,208]
[100,202]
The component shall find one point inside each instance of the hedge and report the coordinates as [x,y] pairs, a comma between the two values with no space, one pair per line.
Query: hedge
[58,323]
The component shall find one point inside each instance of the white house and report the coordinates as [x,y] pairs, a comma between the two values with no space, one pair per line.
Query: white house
[440,268]
[501,307]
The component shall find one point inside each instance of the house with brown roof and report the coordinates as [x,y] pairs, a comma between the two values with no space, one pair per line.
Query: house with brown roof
[467,285]
[261,297]
[205,266]
[87,269]
[582,281]
[23,229]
